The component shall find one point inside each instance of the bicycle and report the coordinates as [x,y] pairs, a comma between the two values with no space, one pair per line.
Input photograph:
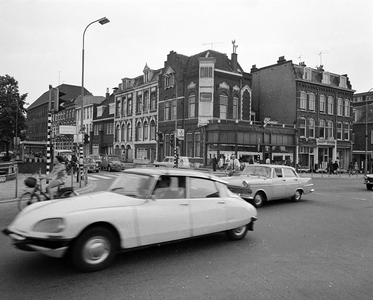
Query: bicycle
[37,193]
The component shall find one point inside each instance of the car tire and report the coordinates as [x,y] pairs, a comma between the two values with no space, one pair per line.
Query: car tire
[94,249]
[237,233]
[297,196]
[97,171]
[259,199]
[369,186]
[109,169]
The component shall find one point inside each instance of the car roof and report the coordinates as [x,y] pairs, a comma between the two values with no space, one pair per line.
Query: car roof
[269,165]
[173,172]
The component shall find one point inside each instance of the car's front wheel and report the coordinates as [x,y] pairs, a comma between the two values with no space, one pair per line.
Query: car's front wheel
[237,233]
[259,199]
[94,249]
[297,196]
[109,169]
[369,186]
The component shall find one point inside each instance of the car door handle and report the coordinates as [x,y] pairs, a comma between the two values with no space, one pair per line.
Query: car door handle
[184,204]
[221,202]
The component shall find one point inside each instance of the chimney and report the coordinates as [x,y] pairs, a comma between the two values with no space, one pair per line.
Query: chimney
[302,64]
[253,69]
[234,62]
[281,60]
[107,93]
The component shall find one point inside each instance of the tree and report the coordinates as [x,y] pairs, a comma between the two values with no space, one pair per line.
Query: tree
[11,104]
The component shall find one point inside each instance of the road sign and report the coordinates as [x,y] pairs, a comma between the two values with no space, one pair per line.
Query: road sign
[67,129]
[180,134]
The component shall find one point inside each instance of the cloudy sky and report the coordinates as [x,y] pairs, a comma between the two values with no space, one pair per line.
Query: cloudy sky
[41,40]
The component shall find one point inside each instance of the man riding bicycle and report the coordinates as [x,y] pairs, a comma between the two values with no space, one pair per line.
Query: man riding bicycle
[57,176]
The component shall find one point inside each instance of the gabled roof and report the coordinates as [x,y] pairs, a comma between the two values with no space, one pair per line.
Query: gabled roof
[222,61]
[105,114]
[71,92]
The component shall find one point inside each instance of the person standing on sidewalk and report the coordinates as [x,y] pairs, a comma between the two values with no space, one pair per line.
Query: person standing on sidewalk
[330,167]
[335,168]
[214,162]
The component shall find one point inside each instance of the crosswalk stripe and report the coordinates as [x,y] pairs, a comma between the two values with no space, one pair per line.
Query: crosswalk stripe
[92,178]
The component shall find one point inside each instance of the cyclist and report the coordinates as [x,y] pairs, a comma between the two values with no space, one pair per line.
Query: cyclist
[57,176]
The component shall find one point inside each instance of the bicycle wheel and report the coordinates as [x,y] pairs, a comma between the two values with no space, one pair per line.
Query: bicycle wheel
[27,199]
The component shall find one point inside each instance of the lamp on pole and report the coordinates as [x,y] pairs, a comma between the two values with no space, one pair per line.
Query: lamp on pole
[102,21]
[366,136]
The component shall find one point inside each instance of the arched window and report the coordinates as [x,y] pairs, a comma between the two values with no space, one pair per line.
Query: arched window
[330,105]
[129,132]
[129,106]
[311,101]
[339,106]
[303,100]
[197,144]
[123,133]
[339,130]
[322,103]
[329,129]
[223,105]
[235,107]
[138,132]
[311,127]
[189,144]
[302,127]
[322,129]
[117,135]
[347,108]
[346,131]
[192,105]
[153,129]
[146,131]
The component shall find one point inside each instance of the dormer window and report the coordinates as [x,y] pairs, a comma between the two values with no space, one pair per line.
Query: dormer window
[169,80]
[307,74]
[343,82]
[111,108]
[100,110]
[326,77]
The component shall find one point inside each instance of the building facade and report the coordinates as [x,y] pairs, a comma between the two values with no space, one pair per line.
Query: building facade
[136,116]
[207,99]
[102,134]
[363,130]
[317,102]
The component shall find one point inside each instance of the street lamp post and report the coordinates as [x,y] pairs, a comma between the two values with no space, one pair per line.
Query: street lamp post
[366,136]
[102,21]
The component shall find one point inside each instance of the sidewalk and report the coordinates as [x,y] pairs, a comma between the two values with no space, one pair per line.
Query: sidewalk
[8,188]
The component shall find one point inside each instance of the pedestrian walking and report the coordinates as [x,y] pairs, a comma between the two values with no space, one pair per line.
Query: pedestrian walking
[214,163]
[330,167]
[221,163]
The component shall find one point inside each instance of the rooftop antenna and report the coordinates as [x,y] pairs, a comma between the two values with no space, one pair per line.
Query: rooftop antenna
[300,58]
[320,54]
[211,44]
[234,46]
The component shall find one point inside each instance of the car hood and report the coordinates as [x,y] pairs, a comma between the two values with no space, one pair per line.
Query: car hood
[237,180]
[62,207]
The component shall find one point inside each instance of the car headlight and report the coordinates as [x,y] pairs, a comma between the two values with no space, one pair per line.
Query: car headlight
[54,225]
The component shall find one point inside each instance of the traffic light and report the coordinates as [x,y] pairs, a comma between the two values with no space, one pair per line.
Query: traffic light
[58,101]
[86,139]
[177,142]
[172,140]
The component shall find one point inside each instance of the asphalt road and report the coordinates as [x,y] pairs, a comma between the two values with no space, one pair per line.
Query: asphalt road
[319,248]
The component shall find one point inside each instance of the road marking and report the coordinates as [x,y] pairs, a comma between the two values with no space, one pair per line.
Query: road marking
[100,176]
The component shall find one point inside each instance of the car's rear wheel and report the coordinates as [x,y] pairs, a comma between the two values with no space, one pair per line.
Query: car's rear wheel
[109,169]
[369,186]
[297,196]
[259,199]
[94,249]
[237,233]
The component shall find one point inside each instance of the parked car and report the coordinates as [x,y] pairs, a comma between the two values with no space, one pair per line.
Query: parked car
[97,159]
[143,207]
[112,163]
[90,165]
[368,181]
[169,162]
[270,182]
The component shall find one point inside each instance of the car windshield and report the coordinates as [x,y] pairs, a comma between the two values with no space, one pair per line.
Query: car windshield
[113,158]
[253,170]
[95,157]
[132,185]
[89,160]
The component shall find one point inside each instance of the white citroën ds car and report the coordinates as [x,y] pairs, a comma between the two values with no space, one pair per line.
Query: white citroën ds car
[142,207]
